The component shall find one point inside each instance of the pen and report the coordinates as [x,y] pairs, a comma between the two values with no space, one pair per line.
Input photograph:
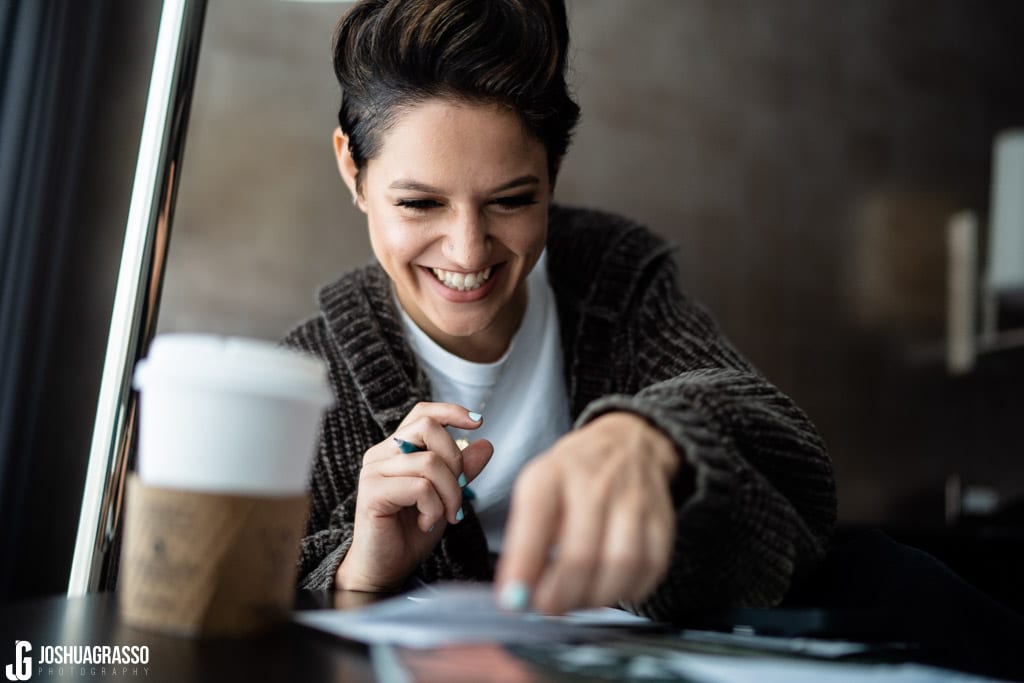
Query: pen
[406,446]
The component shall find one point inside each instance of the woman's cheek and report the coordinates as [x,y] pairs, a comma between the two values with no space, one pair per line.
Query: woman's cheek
[393,239]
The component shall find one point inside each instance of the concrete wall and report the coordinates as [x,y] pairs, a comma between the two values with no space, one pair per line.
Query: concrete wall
[803,156]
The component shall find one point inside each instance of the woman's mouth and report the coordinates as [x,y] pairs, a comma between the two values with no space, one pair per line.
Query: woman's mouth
[462,282]
[464,288]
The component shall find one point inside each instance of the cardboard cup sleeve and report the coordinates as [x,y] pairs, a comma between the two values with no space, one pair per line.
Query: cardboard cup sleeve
[209,564]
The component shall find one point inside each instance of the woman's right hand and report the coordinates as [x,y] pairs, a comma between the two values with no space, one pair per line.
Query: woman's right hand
[405,500]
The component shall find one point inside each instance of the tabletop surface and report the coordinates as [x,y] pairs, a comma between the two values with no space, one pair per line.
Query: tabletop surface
[295,653]
[291,653]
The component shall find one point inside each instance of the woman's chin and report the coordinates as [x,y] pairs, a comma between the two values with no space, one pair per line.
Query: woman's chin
[463,331]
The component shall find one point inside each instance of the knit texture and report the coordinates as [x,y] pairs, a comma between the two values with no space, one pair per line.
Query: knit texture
[763,504]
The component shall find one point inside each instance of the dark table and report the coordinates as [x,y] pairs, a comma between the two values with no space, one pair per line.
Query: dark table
[869,589]
[291,653]
[294,653]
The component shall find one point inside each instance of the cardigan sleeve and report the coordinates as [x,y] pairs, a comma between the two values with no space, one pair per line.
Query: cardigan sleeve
[322,551]
[763,504]
[335,473]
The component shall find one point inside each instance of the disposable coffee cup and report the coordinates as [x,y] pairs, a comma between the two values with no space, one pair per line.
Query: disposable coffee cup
[215,514]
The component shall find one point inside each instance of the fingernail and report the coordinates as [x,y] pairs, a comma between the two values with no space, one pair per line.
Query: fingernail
[515,596]
[475,417]
[462,480]
[468,494]
[460,515]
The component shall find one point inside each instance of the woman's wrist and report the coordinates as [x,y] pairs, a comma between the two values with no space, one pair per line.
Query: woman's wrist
[348,578]
[652,441]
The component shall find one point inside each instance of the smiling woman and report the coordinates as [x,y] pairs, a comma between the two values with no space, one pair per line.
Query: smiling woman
[628,453]
[457,202]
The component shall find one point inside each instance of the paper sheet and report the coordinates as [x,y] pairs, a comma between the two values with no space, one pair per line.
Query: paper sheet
[445,632]
[813,647]
[460,613]
[618,661]
[718,669]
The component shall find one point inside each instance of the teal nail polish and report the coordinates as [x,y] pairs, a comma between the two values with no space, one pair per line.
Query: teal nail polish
[475,417]
[462,481]
[515,596]
[430,529]
[468,494]
[460,515]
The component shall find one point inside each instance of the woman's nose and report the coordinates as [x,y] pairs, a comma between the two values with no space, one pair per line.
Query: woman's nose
[466,241]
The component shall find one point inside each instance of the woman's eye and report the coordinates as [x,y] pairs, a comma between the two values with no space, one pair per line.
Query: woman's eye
[417,204]
[511,203]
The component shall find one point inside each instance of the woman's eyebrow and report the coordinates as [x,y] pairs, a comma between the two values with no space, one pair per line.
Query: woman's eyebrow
[416,186]
[517,182]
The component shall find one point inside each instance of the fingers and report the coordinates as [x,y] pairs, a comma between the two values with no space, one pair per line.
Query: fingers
[567,582]
[429,435]
[660,542]
[602,558]
[475,457]
[633,559]
[433,468]
[392,494]
[424,428]
[530,531]
[437,459]
[660,535]
[445,414]
[602,552]
[592,523]
[622,559]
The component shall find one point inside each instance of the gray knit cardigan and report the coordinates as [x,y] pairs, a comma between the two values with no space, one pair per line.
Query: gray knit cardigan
[762,503]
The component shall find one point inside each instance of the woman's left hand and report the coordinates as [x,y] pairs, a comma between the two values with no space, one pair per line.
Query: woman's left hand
[592,520]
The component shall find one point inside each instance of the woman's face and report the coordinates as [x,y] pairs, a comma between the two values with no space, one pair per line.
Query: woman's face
[457,204]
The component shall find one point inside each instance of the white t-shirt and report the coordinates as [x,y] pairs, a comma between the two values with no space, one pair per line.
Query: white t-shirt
[528,408]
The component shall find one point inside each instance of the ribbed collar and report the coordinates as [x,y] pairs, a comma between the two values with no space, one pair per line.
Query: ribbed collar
[361,316]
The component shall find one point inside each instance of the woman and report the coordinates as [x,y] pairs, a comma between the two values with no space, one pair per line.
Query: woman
[620,451]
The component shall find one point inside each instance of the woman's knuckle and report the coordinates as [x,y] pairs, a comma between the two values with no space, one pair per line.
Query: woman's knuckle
[532,473]
[579,562]
[626,561]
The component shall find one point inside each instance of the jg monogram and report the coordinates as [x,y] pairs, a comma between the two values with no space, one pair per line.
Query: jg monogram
[21,670]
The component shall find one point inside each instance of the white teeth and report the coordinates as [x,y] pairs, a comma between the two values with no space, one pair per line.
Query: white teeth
[462,282]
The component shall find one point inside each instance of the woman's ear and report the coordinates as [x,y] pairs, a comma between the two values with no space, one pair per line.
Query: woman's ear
[347,166]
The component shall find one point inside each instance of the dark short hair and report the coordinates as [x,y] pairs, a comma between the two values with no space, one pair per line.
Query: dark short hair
[393,54]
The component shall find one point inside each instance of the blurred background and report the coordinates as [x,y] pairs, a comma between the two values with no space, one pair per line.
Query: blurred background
[804,158]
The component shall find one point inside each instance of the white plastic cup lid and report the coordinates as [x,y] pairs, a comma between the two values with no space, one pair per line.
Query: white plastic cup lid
[234,364]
